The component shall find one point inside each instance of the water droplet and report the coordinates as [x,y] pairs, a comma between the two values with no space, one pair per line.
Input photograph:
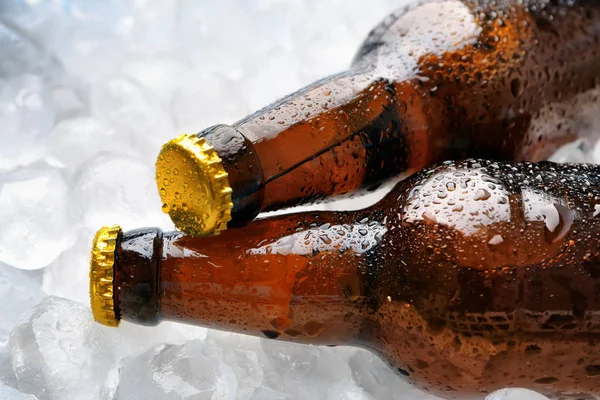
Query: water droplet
[497,239]
[558,221]
[325,239]
[551,217]
[516,87]
[165,182]
[458,208]
[429,218]
[482,194]
[165,208]
[281,323]
[313,328]
[351,284]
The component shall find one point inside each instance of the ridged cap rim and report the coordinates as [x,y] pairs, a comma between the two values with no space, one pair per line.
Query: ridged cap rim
[102,275]
[194,186]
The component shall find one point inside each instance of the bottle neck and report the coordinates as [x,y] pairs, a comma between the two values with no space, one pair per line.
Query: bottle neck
[333,137]
[135,276]
[338,129]
[280,277]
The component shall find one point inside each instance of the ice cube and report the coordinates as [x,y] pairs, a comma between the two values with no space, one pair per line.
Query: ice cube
[261,73]
[160,73]
[10,393]
[134,339]
[68,275]
[190,371]
[153,24]
[135,111]
[59,352]
[203,28]
[304,371]
[207,99]
[20,54]
[83,50]
[266,393]
[575,152]
[377,379]
[26,117]
[243,354]
[37,222]
[114,188]
[347,390]
[19,291]
[68,102]
[7,375]
[76,140]
[515,394]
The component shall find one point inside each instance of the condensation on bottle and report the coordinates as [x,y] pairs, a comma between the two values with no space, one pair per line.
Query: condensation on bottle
[438,80]
[467,277]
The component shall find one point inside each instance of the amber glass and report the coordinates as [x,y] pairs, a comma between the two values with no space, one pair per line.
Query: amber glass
[467,277]
[508,80]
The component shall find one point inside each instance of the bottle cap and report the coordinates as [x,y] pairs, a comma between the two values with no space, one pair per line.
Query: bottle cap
[102,275]
[194,186]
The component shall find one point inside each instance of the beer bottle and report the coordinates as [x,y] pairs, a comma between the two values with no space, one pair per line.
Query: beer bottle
[467,277]
[449,79]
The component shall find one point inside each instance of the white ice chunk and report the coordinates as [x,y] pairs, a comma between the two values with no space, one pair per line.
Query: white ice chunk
[377,379]
[10,393]
[207,99]
[135,339]
[177,372]
[26,117]
[515,394]
[37,222]
[347,390]
[19,291]
[7,375]
[304,371]
[76,140]
[261,73]
[575,152]
[59,352]
[68,103]
[68,275]
[19,53]
[114,188]
[160,73]
[135,110]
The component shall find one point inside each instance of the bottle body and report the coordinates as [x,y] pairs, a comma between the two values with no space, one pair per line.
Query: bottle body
[439,80]
[467,277]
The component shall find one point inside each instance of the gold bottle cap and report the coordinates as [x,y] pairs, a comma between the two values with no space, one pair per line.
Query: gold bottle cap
[102,275]
[194,186]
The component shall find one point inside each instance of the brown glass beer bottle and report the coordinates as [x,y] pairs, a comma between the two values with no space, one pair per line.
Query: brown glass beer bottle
[467,277]
[446,79]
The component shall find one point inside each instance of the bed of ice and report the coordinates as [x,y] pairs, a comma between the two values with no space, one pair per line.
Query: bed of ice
[89,90]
